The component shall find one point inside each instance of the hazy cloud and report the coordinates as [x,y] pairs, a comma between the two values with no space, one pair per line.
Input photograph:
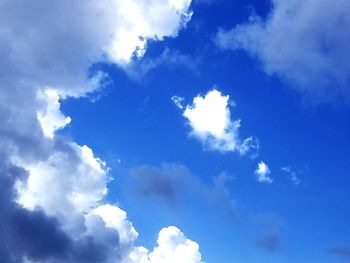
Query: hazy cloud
[341,251]
[173,183]
[270,242]
[304,42]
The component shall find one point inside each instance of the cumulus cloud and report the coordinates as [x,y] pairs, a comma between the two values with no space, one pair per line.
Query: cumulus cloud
[51,118]
[52,189]
[303,42]
[210,119]
[263,173]
[172,247]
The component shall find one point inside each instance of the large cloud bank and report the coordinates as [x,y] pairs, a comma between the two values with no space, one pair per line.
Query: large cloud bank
[51,188]
[304,42]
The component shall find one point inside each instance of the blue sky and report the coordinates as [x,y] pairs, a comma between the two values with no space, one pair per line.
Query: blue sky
[226,120]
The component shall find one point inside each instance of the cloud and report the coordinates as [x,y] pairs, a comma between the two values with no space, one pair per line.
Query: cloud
[178,101]
[270,228]
[51,119]
[270,242]
[164,182]
[263,173]
[341,251]
[171,183]
[305,43]
[210,120]
[137,69]
[293,175]
[172,247]
[52,189]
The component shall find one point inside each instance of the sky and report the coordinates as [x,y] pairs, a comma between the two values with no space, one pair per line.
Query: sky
[174,131]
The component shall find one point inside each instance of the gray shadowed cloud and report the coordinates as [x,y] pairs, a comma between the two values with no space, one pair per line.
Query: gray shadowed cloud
[270,241]
[174,183]
[35,236]
[304,42]
[341,251]
[51,188]
[269,228]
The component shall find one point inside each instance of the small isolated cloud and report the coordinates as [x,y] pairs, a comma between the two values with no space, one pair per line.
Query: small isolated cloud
[263,173]
[210,119]
[178,101]
[304,42]
[341,251]
[293,175]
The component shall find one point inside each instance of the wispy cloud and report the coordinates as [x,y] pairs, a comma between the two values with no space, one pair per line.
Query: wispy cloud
[293,175]
[137,69]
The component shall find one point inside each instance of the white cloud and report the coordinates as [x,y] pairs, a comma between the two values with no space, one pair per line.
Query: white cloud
[142,20]
[304,42]
[57,48]
[173,247]
[178,101]
[210,120]
[52,180]
[116,218]
[263,173]
[51,118]
[70,180]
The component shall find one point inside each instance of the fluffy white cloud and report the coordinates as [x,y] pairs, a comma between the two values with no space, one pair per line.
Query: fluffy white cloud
[51,118]
[210,119]
[70,180]
[304,42]
[173,247]
[178,101]
[53,189]
[144,20]
[263,173]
